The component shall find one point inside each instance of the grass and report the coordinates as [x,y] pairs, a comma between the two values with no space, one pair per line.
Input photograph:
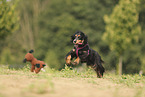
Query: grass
[23,83]
[128,80]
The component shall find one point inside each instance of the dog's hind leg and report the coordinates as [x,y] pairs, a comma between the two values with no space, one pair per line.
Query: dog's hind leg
[99,74]
[98,66]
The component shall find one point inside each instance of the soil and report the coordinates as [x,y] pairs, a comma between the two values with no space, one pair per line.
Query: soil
[20,86]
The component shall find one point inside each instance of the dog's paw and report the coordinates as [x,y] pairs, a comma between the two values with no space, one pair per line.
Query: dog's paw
[73,50]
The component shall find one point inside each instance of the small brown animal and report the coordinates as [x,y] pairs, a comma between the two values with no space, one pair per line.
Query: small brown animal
[37,65]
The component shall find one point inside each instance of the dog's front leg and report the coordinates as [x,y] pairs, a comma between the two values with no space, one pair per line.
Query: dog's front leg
[77,61]
[68,60]
[69,57]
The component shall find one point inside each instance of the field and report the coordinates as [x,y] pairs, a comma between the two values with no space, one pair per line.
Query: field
[68,83]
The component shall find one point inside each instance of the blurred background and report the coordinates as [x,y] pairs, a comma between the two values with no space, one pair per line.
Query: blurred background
[115,29]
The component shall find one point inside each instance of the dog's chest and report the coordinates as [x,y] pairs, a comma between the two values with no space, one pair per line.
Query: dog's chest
[83,54]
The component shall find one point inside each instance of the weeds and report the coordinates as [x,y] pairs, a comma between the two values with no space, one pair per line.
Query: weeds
[128,80]
[69,72]
[42,83]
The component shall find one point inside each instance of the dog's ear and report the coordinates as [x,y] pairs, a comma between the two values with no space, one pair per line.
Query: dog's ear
[85,39]
[31,51]
[72,37]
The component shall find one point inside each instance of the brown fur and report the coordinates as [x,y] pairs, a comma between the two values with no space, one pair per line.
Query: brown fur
[36,65]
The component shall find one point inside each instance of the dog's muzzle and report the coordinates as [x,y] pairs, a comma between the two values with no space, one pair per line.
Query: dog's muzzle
[74,41]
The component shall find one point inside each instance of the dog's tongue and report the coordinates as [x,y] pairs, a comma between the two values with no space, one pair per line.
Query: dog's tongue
[80,43]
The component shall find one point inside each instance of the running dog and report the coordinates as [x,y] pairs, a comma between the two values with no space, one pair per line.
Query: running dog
[84,54]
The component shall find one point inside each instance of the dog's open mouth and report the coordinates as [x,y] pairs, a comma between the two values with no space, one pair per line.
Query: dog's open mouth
[78,42]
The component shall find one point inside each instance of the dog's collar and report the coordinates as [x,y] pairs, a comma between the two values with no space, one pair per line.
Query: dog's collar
[78,48]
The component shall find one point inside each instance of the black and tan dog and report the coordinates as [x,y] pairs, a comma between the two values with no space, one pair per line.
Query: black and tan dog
[84,54]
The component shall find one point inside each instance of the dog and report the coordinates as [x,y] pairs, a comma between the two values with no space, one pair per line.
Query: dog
[84,54]
[36,65]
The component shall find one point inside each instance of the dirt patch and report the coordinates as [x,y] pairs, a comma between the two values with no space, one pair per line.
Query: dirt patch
[24,86]
[68,87]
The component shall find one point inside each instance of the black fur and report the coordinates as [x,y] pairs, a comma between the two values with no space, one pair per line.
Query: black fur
[31,51]
[86,54]
[38,65]
[25,60]
[43,65]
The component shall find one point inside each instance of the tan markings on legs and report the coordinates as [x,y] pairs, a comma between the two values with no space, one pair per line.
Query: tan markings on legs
[98,73]
[76,62]
[68,59]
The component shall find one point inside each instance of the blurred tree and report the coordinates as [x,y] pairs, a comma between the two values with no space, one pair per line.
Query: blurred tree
[122,29]
[142,39]
[29,12]
[8,18]
[62,18]
[7,58]
[46,27]
[8,24]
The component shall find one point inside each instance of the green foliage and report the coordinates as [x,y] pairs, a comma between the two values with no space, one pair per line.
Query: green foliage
[46,27]
[128,80]
[142,39]
[29,12]
[8,18]
[69,72]
[26,68]
[122,29]
[6,57]
[51,58]
[63,19]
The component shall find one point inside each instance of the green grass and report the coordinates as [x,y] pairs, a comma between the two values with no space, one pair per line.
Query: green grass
[43,82]
[128,80]
[69,72]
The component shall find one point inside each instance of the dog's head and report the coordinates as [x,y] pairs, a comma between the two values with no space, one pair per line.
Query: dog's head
[28,56]
[79,38]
